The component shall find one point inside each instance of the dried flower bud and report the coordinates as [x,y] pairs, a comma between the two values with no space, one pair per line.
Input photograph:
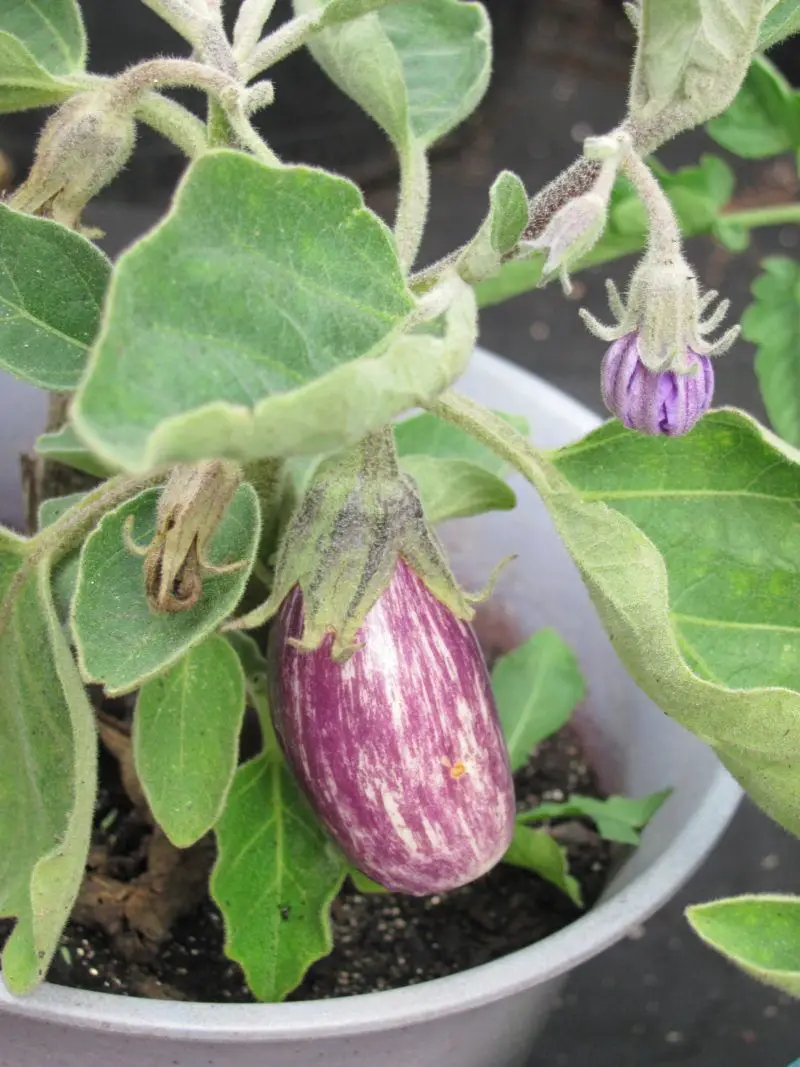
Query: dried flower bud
[192,504]
[655,402]
[83,146]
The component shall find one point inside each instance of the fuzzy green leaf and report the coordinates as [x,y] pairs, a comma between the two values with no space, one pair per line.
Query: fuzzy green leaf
[772,322]
[257,333]
[418,68]
[48,768]
[54,508]
[186,739]
[689,549]
[24,83]
[457,476]
[52,283]
[763,120]
[715,634]
[536,688]
[500,232]
[275,877]
[616,818]
[691,58]
[120,642]
[760,934]
[66,447]
[537,851]
[457,489]
[734,238]
[782,20]
[345,10]
[51,30]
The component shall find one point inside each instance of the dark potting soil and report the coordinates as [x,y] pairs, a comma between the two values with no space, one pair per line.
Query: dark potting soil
[144,924]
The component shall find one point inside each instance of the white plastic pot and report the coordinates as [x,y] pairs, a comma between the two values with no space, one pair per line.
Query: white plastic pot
[23,413]
[486,1017]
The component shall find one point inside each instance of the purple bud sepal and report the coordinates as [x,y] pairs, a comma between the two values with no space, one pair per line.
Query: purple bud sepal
[359,515]
[655,402]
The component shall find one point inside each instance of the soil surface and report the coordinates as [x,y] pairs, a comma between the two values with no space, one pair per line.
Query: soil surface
[144,924]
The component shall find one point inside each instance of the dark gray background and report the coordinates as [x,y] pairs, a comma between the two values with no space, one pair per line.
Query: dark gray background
[659,998]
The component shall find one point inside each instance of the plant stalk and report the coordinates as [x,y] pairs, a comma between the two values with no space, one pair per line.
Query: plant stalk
[412,207]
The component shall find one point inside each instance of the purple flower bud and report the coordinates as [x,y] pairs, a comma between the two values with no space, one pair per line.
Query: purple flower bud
[666,402]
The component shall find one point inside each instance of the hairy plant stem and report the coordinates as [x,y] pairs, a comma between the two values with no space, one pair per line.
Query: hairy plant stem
[772,215]
[272,49]
[250,21]
[228,120]
[498,435]
[179,14]
[412,206]
[174,122]
[664,240]
[202,29]
[152,73]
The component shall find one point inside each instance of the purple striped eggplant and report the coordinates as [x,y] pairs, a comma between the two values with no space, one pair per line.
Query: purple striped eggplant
[399,748]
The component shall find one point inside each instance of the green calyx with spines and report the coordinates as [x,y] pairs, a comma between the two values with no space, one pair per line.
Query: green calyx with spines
[359,515]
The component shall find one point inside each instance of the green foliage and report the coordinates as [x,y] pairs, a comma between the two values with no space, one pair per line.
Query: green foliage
[51,30]
[760,934]
[345,10]
[537,851]
[455,474]
[691,57]
[123,649]
[500,232]
[52,283]
[40,40]
[24,84]
[455,488]
[55,507]
[65,446]
[268,318]
[418,68]
[764,119]
[617,818]
[707,622]
[248,326]
[772,322]
[782,20]
[275,877]
[48,756]
[708,625]
[536,687]
[186,739]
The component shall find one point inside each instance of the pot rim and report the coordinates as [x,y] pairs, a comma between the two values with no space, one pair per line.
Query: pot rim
[557,954]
